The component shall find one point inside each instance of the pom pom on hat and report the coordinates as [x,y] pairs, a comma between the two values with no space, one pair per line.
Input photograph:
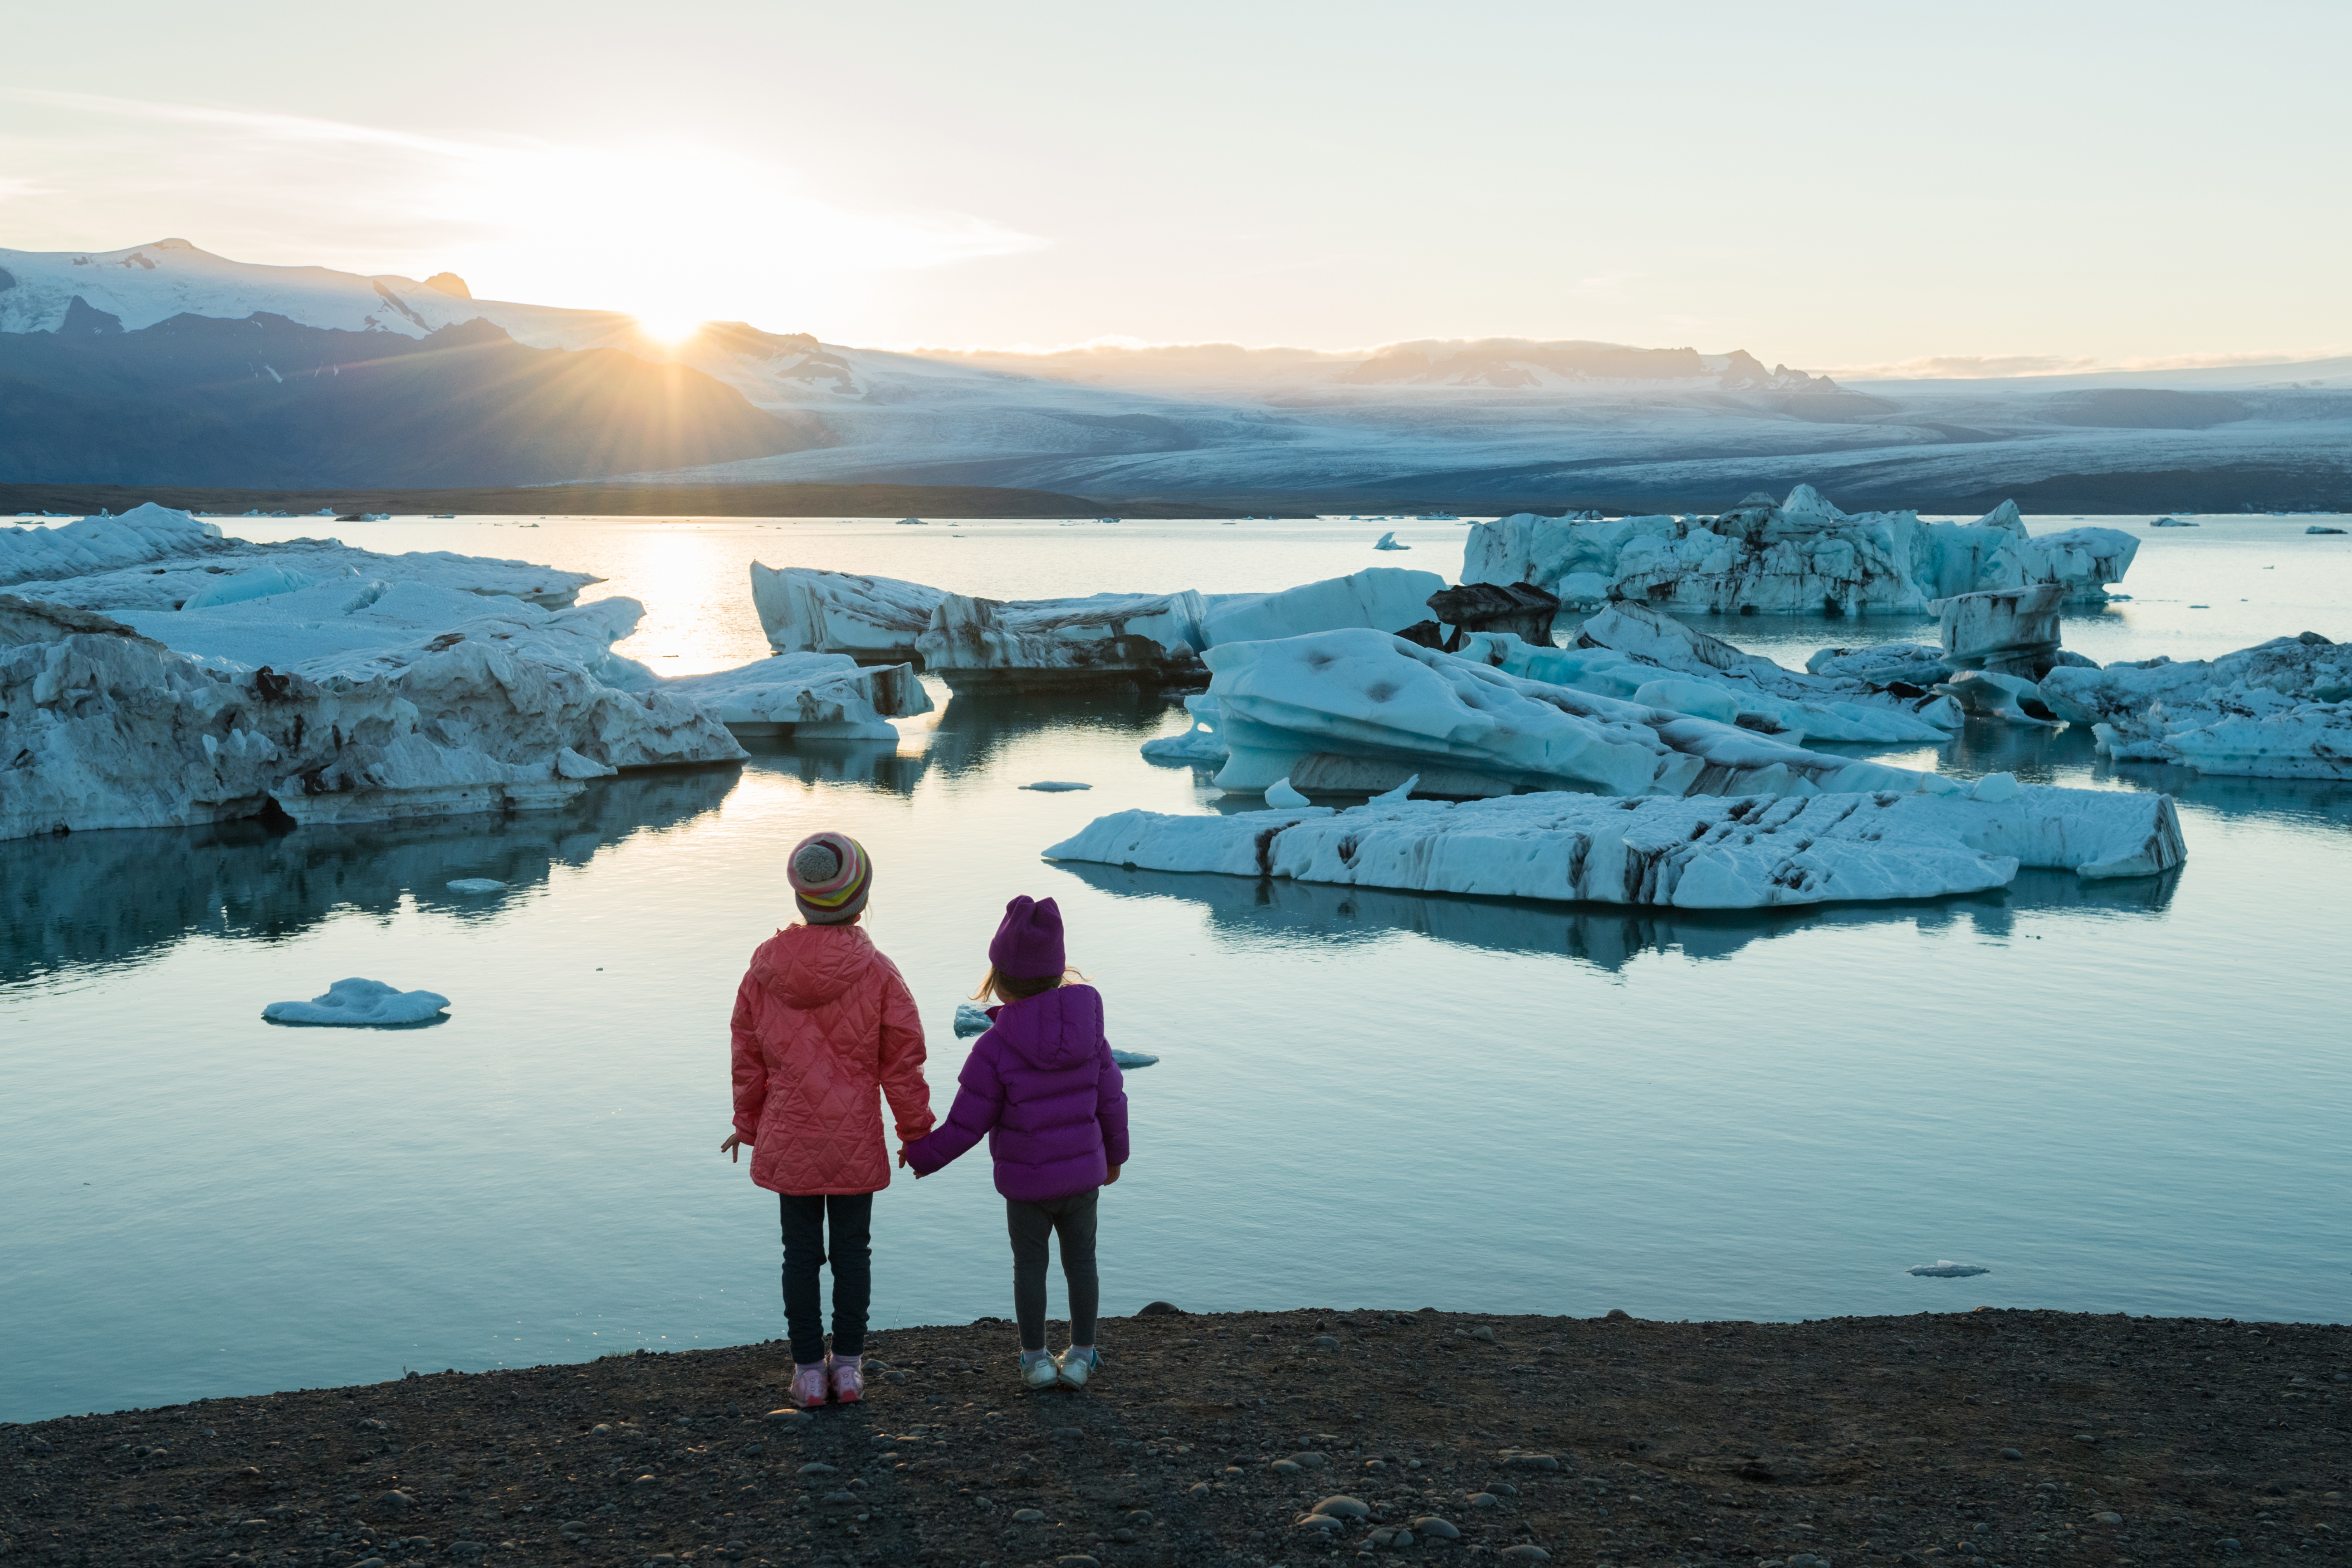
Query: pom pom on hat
[831,875]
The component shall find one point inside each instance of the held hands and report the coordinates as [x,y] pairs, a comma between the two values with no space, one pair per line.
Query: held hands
[904,1166]
[734,1141]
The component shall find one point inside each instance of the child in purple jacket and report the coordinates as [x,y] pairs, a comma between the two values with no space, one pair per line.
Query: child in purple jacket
[1042,1085]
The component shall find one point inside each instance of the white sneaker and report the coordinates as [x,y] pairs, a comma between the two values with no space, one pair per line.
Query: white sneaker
[1039,1373]
[1076,1365]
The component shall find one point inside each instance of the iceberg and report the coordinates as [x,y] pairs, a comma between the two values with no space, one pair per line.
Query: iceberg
[2011,630]
[1819,706]
[474,887]
[115,729]
[985,644]
[810,695]
[1203,742]
[1885,664]
[1705,852]
[971,1018]
[154,558]
[2137,708]
[1801,557]
[1128,1062]
[361,1005]
[1945,1269]
[1282,793]
[1384,598]
[875,620]
[1389,541]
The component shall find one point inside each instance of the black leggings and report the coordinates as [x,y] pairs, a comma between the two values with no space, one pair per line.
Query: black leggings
[1073,1219]
[804,1220]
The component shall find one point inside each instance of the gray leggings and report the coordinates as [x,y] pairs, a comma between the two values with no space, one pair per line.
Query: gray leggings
[1073,1218]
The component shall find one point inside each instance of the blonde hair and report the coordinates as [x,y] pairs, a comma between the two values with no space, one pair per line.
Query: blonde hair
[1019,988]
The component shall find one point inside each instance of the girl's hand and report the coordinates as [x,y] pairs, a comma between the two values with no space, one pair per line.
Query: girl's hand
[734,1141]
[1110,1176]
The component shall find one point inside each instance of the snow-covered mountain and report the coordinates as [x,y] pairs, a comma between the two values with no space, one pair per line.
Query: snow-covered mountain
[1513,420]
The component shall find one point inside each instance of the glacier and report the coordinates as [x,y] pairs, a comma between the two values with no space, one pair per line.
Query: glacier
[1801,556]
[1706,852]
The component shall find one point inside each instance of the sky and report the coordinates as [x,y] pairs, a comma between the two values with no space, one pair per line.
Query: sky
[1892,186]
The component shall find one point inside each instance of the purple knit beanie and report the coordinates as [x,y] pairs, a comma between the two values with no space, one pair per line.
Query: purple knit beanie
[1028,945]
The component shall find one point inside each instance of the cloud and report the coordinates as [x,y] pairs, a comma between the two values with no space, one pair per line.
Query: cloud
[653,226]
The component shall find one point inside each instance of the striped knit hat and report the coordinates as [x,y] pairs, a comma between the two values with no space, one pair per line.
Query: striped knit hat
[831,876]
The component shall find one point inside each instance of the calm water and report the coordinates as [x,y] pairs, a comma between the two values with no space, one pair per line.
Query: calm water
[2119,1096]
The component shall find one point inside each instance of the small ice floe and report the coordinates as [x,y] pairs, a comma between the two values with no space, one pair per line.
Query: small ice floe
[1389,541]
[2315,528]
[971,1019]
[361,1005]
[1279,793]
[472,886]
[1945,1269]
[2172,523]
[1398,795]
[1056,786]
[912,523]
[1133,1059]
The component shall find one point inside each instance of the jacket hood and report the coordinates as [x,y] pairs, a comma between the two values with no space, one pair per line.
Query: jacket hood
[808,966]
[1056,1028]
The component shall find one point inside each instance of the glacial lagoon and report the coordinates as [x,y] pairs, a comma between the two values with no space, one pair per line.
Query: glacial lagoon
[2118,1097]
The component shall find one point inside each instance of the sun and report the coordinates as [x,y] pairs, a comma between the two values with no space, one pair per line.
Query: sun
[671,327]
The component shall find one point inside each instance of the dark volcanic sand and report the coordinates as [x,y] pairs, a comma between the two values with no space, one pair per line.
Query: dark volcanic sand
[1992,1437]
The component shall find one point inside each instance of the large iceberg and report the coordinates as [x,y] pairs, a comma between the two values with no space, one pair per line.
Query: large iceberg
[2273,710]
[809,696]
[154,558]
[1357,710]
[1832,707]
[1384,598]
[1738,852]
[1801,557]
[875,620]
[985,644]
[109,728]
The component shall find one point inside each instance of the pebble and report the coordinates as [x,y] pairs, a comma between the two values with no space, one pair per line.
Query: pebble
[1286,1467]
[1342,1507]
[1069,1434]
[818,1467]
[1524,1554]
[2085,1438]
[1326,1343]
[1030,1516]
[601,1430]
[394,1502]
[2012,1453]
[1122,1535]
[1141,1519]
[1309,1460]
[1483,1500]
[1619,1312]
[1532,1461]
[1430,1524]
[369,1562]
[1319,1521]
[1198,1489]
[1483,1332]
[1159,1309]
[1075,1560]
[2108,1517]
[780,1417]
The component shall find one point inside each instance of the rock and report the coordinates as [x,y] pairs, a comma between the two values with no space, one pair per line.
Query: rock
[1319,1521]
[1532,1461]
[1286,1467]
[1326,1343]
[1343,1508]
[1161,1310]
[1309,1460]
[1429,1524]
[1069,1434]
[1075,1560]
[2012,1453]
[1140,1519]
[1619,1312]
[1029,1516]
[1524,1554]
[1484,1333]
[2109,1518]
[1483,1500]
[780,1417]
[818,1467]
[394,1502]
[1197,1489]
[2085,1438]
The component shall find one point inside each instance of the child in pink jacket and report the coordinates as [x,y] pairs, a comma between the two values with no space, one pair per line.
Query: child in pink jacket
[822,1021]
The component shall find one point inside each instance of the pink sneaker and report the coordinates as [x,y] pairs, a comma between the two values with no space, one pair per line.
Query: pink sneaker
[811,1386]
[848,1380]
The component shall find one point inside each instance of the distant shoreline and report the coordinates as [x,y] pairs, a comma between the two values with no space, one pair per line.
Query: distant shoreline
[1247,1438]
[2251,490]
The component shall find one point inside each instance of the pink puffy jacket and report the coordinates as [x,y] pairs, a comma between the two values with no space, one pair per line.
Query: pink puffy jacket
[821,1021]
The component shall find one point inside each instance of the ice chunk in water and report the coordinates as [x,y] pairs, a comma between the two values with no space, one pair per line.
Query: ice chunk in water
[1945,1269]
[971,1020]
[477,885]
[1133,1059]
[1279,793]
[358,1004]
[1056,786]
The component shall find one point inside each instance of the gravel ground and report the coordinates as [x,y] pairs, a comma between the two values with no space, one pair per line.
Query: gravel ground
[1251,1438]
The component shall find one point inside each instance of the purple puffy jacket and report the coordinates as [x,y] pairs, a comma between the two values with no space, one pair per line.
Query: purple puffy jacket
[1042,1086]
